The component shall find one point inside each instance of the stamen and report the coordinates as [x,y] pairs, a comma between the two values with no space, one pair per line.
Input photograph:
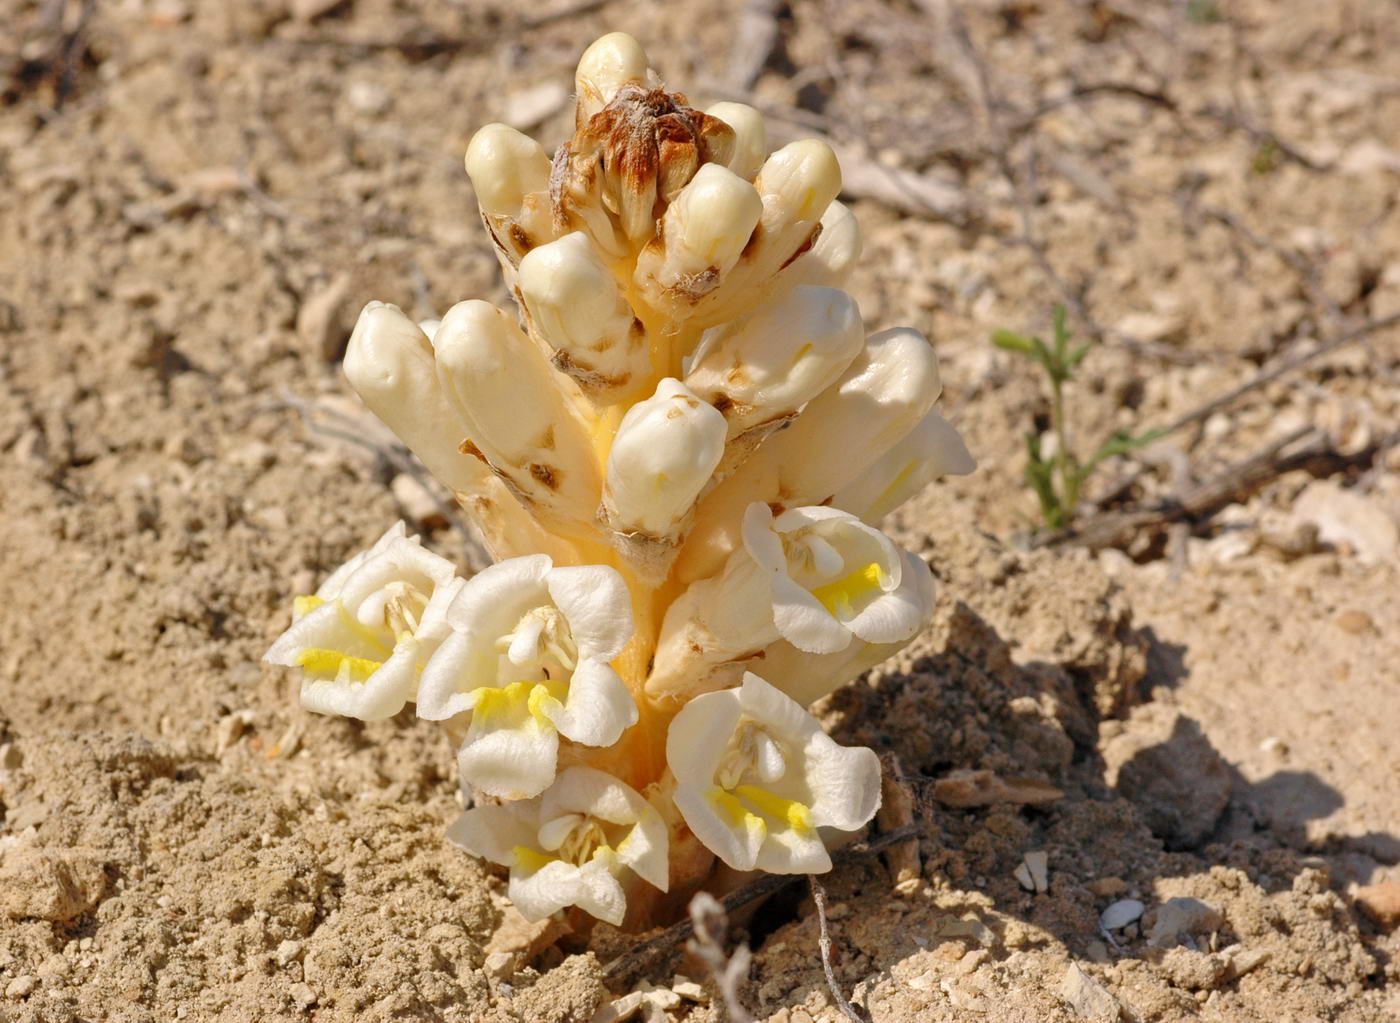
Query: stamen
[839,597]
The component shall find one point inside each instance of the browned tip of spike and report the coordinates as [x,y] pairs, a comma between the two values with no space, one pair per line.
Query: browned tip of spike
[634,156]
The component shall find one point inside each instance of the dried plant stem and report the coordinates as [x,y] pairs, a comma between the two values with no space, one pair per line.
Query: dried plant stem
[710,924]
[819,899]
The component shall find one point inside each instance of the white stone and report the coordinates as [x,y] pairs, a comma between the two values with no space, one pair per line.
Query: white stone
[1120,914]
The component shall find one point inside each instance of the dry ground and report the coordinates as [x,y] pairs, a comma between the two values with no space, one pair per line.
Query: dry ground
[197,196]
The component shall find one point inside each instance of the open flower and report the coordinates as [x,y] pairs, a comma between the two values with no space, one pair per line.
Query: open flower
[756,777]
[363,637]
[528,657]
[568,846]
[833,578]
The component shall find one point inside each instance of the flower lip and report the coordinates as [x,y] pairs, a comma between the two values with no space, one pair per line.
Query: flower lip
[567,846]
[528,658]
[756,777]
[832,576]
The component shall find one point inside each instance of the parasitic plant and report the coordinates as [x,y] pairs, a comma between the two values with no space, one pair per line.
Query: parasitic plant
[677,447]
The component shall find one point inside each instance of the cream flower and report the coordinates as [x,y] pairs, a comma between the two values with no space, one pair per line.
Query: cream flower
[528,657]
[363,637]
[756,777]
[568,846]
[833,578]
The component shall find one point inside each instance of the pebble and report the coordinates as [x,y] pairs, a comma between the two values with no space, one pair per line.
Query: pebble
[318,319]
[1087,997]
[288,951]
[1108,886]
[500,965]
[1120,914]
[1355,623]
[1381,903]
[528,108]
[1344,517]
[1179,916]
[303,994]
[1038,862]
[20,987]
[10,758]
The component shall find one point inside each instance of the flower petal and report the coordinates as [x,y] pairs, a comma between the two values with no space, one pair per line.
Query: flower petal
[557,884]
[493,832]
[446,687]
[737,844]
[509,762]
[598,708]
[597,606]
[699,735]
[844,782]
[761,538]
[789,852]
[494,599]
[898,615]
[381,695]
[803,621]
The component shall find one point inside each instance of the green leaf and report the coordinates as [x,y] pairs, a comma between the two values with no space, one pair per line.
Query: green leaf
[1077,356]
[1061,333]
[1012,342]
[1121,443]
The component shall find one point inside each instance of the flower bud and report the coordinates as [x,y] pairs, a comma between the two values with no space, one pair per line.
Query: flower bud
[761,370]
[702,234]
[510,173]
[833,255]
[504,166]
[796,184]
[750,147]
[665,451]
[389,363]
[605,67]
[932,449]
[518,419]
[575,305]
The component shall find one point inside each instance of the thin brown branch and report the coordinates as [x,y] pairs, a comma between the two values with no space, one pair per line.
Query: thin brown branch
[769,884]
[842,1004]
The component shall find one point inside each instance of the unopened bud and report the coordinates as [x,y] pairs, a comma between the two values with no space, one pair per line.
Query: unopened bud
[517,417]
[389,363]
[505,166]
[750,147]
[606,66]
[930,450]
[703,232]
[665,451]
[764,368]
[833,255]
[575,304]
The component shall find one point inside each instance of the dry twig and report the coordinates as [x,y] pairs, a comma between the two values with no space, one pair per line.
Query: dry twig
[711,926]
[769,884]
[819,899]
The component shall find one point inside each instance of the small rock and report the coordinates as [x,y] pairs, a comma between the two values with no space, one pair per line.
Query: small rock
[287,952]
[417,503]
[1244,960]
[1344,517]
[1087,997]
[689,990]
[1381,903]
[303,994]
[368,98]
[10,757]
[963,789]
[1355,622]
[1120,914]
[1164,764]
[230,729]
[1038,863]
[1179,916]
[527,108]
[500,965]
[318,319]
[1273,744]
[1154,328]
[1022,874]
[1108,887]
[47,885]
[20,987]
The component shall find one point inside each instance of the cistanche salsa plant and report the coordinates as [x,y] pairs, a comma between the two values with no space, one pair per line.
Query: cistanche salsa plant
[677,448]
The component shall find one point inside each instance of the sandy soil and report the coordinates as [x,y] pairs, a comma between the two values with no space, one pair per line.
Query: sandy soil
[195,208]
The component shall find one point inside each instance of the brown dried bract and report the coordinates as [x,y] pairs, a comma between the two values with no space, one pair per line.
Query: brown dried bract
[633,157]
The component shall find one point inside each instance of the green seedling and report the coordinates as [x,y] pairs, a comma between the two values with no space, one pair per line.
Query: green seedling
[1058,481]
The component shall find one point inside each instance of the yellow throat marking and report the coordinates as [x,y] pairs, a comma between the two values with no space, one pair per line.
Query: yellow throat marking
[839,597]
[501,705]
[331,663]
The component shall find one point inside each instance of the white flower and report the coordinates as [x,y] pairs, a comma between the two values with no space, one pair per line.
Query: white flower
[756,777]
[363,637]
[568,846]
[833,578]
[528,657]
[932,449]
